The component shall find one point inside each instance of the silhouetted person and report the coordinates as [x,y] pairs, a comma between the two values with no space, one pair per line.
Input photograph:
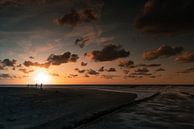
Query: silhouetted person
[41,86]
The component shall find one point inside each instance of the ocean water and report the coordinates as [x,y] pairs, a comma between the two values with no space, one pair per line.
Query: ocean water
[172,109]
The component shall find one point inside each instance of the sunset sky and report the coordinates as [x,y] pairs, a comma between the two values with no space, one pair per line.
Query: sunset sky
[97,41]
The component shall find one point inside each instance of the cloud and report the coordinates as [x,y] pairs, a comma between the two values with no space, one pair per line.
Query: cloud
[80,71]
[141,74]
[1,67]
[36,64]
[111,70]
[92,72]
[5,76]
[153,76]
[109,76]
[101,69]
[84,64]
[142,70]
[133,76]
[8,63]
[149,65]
[126,71]
[108,53]
[166,17]
[187,57]
[81,42]
[163,51]
[76,17]
[31,57]
[19,65]
[160,70]
[125,63]
[64,58]
[94,35]
[186,71]
[72,75]
[25,71]
[138,73]
[86,75]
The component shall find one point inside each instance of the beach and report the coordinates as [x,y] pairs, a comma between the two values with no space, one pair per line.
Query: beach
[92,107]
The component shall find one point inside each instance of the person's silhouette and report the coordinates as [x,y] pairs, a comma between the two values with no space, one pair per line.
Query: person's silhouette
[41,85]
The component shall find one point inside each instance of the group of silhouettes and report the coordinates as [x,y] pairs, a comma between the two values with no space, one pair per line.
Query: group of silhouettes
[36,86]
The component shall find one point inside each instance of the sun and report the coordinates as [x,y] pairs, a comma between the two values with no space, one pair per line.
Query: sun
[41,77]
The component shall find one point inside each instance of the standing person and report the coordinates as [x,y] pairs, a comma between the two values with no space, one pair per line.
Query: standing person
[41,86]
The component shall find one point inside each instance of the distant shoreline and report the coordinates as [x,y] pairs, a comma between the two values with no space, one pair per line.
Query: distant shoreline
[77,85]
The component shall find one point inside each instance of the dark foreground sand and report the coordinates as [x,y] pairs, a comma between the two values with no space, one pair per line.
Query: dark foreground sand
[25,108]
[104,107]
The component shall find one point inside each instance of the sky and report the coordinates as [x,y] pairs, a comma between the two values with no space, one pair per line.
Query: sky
[97,41]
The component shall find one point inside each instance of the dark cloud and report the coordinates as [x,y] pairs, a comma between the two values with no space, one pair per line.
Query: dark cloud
[76,17]
[25,71]
[126,71]
[160,70]
[125,63]
[5,76]
[141,74]
[188,70]
[8,63]
[20,65]
[142,70]
[64,58]
[131,66]
[108,53]
[187,57]
[109,76]
[73,58]
[81,42]
[163,51]
[31,57]
[72,75]
[80,71]
[153,76]
[54,60]
[36,64]
[84,64]
[86,75]
[133,76]
[166,16]
[1,67]
[101,69]
[149,65]
[92,72]
[111,70]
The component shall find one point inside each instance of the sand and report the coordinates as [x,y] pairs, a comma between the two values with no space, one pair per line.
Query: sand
[25,108]
[94,107]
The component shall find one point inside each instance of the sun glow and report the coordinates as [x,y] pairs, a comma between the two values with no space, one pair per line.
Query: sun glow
[41,76]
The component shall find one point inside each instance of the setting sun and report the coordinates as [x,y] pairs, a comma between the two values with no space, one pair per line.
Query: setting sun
[41,76]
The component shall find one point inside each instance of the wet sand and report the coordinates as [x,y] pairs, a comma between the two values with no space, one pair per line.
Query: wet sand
[25,108]
[166,111]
